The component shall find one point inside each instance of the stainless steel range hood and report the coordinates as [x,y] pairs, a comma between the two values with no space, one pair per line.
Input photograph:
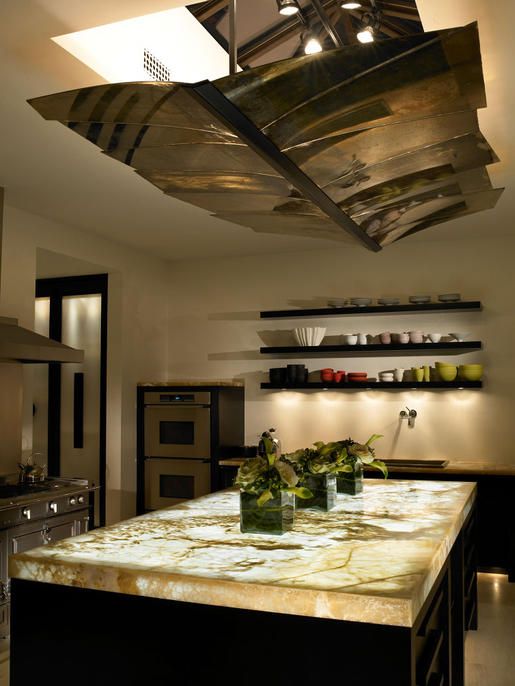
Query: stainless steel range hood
[372,143]
[22,345]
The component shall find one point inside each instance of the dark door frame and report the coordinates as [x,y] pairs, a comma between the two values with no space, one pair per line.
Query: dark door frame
[56,289]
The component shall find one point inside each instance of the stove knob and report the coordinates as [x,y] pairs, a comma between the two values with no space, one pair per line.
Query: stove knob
[80,499]
[53,507]
[73,500]
[26,512]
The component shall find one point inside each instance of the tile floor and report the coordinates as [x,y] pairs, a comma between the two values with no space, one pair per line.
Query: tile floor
[489,652]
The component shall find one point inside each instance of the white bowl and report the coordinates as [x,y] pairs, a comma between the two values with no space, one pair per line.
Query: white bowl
[350,338]
[309,336]
[459,336]
[434,337]
[449,297]
[419,299]
[337,302]
[388,301]
[361,302]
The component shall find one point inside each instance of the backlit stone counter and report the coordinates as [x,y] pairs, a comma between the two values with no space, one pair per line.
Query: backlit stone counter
[374,558]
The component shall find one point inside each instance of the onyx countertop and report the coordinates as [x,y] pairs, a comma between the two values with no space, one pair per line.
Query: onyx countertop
[454,467]
[374,558]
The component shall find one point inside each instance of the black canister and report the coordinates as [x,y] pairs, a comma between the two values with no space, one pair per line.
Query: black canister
[277,375]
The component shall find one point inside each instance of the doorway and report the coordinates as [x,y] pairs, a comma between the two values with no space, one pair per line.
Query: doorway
[69,409]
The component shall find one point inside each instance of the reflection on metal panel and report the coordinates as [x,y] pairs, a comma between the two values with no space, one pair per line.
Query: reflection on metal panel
[376,141]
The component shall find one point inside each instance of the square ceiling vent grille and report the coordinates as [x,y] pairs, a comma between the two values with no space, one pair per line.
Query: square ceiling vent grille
[155,68]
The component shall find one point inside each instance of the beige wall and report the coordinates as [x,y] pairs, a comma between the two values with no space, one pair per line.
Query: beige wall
[138,329]
[200,319]
[215,332]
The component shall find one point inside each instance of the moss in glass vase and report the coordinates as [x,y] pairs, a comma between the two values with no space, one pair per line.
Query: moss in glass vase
[273,517]
[358,456]
[323,488]
[268,484]
[351,482]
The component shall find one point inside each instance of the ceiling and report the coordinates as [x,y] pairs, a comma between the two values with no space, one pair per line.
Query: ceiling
[264,35]
[49,171]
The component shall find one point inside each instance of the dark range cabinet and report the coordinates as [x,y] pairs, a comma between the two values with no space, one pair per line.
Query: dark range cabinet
[495,507]
[205,422]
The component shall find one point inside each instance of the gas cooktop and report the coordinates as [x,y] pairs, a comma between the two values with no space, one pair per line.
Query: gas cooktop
[10,488]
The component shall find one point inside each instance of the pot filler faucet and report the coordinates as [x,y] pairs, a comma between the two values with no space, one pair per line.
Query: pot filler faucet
[410,415]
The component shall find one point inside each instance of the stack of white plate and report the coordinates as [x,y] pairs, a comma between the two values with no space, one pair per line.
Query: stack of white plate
[309,336]
[385,376]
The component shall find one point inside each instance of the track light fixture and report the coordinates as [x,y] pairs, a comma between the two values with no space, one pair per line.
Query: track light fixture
[311,43]
[370,22]
[351,5]
[287,7]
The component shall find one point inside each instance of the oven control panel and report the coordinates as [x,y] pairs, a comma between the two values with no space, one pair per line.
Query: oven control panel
[41,508]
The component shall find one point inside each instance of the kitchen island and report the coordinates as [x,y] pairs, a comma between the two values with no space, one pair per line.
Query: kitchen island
[181,596]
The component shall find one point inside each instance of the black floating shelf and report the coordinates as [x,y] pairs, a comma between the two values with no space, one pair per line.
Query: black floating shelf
[474,305]
[376,349]
[375,385]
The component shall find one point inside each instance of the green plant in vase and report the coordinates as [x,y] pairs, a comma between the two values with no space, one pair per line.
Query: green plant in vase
[318,468]
[356,456]
[268,486]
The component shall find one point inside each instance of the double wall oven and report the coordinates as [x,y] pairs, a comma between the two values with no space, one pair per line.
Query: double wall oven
[182,433]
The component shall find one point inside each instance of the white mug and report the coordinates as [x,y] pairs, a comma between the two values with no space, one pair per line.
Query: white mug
[398,374]
[362,338]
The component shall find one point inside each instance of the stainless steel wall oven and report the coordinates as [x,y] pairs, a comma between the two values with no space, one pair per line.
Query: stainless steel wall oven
[182,433]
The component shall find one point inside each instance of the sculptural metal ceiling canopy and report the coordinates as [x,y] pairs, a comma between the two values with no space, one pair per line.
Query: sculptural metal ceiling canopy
[376,142]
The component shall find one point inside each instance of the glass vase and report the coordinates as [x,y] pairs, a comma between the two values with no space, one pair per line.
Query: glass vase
[323,487]
[274,517]
[351,482]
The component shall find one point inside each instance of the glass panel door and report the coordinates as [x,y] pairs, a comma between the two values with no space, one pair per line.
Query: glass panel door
[80,388]
[40,385]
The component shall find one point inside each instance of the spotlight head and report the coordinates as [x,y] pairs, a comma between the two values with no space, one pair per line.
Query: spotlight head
[366,35]
[312,45]
[287,7]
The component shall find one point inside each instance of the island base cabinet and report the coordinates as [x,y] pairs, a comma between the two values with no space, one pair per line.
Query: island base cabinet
[62,635]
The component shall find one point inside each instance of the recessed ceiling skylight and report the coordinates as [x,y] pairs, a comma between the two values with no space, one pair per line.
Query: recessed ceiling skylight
[173,43]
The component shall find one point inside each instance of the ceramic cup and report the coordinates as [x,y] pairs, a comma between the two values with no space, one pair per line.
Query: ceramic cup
[362,338]
[418,373]
[404,337]
[416,336]
[398,374]
[339,376]
[277,375]
[434,337]
[385,337]
[350,338]
[327,374]
[427,372]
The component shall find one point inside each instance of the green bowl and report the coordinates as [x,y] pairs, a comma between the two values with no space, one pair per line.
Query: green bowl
[448,373]
[471,372]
